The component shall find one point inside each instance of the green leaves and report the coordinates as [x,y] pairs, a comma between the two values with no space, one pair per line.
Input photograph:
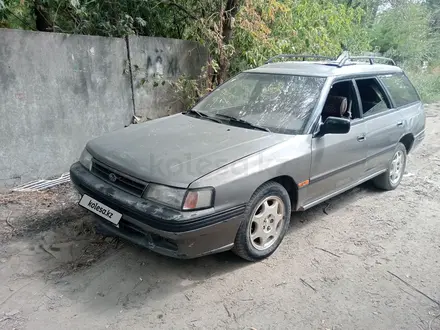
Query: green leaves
[74,3]
[404,33]
[296,26]
[251,31]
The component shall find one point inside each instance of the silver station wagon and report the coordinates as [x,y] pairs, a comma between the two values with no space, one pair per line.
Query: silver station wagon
[276,139]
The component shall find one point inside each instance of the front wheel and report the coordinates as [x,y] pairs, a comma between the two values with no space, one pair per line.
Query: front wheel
[390,180]
[266,221]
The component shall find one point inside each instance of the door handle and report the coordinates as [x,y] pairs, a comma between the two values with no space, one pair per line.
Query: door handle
[361,138]
[400,124]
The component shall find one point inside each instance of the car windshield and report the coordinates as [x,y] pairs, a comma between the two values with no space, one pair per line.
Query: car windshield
[276,102]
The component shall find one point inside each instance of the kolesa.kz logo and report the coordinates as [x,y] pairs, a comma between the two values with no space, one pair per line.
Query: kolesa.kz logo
[100,209]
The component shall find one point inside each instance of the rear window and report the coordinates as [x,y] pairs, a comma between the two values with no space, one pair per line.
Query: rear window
[401,89]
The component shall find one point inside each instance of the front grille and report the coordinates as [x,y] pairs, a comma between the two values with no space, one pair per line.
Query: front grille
[122,181]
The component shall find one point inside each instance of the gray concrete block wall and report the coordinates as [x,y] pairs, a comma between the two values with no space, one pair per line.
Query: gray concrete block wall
[167,59]
[58,91]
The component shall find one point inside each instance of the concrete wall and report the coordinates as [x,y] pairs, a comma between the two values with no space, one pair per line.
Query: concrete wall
[58,91]
[158,60]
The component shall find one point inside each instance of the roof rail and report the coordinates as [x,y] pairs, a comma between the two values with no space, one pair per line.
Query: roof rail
[340,61]
[371,59]
[342,58]
[304,57]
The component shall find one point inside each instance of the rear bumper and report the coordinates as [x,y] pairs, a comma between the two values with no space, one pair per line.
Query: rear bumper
[167,231]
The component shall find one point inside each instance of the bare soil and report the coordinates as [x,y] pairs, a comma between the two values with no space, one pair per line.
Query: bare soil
[364,260]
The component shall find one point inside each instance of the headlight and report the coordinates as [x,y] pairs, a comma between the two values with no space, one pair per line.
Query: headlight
[166,195]
[174,197]
[86,159]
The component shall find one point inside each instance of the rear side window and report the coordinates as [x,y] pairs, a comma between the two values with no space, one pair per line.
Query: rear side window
[400,88]
[373,98]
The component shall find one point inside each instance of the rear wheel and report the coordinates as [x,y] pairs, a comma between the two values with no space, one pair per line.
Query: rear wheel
[267,219]
[390,180]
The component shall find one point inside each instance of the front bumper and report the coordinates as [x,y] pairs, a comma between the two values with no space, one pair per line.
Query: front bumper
[164,230]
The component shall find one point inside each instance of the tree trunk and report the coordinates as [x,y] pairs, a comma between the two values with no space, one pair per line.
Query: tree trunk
[42,17]
[229,14]
[227,18]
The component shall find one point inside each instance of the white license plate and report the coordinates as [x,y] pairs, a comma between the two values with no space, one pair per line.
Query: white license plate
[100,209]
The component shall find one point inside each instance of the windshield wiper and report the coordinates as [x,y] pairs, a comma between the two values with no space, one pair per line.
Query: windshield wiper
[243,122]
[202,115]
[195,112]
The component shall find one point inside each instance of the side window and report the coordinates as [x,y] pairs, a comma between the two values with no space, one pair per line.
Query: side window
[373,97]
[400,88]
[341,101]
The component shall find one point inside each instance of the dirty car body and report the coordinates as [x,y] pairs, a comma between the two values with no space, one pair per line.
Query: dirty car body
[194,183]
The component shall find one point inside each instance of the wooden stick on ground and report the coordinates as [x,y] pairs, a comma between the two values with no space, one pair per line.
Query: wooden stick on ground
[415,289]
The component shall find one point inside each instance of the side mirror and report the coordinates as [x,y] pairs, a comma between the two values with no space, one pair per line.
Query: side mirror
[334,125]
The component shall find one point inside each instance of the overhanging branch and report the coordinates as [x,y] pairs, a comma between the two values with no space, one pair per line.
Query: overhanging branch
[182,8]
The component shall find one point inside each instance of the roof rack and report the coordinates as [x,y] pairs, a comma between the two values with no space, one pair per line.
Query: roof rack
[340,61]
[345,57]
[371,59]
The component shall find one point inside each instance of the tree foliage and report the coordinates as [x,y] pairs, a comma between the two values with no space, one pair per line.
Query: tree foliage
[243,33]
[404,32]
[267,28]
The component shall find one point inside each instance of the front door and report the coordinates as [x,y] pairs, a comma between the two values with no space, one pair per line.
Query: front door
[337,161]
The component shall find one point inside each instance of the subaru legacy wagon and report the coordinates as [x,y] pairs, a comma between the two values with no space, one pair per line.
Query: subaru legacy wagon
[227,173]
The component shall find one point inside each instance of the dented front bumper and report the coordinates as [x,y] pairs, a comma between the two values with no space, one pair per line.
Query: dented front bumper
[164,230]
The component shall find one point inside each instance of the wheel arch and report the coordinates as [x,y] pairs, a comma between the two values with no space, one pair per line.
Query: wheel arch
[408,141]
[290,185]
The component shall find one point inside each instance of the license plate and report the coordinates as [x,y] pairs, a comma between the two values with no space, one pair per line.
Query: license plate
[100,209]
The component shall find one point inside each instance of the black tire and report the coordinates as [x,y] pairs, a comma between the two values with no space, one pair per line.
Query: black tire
[243,246]
[383,181]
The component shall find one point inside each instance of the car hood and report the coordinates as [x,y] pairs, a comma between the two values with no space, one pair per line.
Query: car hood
[178,149]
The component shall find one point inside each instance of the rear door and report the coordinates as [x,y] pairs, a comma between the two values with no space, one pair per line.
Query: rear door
[406,99]
[384,124]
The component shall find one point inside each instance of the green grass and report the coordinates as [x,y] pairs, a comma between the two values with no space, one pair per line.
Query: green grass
[427,84]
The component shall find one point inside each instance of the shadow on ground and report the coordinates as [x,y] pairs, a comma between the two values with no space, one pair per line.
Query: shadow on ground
[334,204]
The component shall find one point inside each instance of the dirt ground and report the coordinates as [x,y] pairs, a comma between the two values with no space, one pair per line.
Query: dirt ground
[365,260]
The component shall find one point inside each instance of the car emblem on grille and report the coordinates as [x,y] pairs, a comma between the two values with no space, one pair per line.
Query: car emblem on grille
[112,177]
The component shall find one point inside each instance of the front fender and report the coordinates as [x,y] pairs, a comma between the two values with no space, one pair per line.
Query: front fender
[235,183]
